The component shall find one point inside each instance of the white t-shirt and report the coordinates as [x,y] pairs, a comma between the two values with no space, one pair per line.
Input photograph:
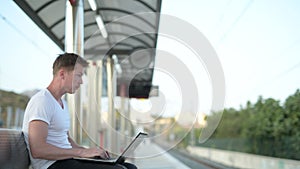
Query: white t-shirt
[43,106]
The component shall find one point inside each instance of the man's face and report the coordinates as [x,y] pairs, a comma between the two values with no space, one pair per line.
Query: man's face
[75,78]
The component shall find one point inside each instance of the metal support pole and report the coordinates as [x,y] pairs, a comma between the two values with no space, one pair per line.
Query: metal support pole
[92,113]
[125,128]
[99,104]
[74,41]
[123,116]
[112,139]
[123,113]
[129,124]
[1,121]
[9,115]
[16,120]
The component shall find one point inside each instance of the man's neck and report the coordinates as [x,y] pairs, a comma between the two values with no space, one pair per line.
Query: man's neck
[55,91]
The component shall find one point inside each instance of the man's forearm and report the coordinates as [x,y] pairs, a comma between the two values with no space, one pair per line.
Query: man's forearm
[50,152]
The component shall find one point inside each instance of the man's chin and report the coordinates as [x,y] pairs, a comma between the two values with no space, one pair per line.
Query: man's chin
[73,91]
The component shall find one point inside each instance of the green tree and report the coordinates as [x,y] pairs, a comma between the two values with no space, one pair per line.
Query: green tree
[261,128]
[291,122]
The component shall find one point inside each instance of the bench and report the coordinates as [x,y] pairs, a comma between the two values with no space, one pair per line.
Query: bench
[13,150]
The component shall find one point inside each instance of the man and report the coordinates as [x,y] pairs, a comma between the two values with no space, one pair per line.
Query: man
[46,122]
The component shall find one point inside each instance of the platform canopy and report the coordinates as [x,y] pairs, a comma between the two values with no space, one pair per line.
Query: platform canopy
[131,26]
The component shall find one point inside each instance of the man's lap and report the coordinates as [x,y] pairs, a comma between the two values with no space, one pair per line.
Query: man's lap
[78,164]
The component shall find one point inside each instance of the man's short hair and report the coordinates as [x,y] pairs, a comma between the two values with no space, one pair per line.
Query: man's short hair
[68,61]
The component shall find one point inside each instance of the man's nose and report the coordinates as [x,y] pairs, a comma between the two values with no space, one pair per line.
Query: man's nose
[80,81]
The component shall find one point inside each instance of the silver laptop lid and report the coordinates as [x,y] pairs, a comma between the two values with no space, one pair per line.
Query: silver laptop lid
[133,145]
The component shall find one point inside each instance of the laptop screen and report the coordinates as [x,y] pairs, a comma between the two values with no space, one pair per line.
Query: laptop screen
[133,145]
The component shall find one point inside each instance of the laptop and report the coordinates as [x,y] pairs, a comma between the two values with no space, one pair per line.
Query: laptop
[121,158]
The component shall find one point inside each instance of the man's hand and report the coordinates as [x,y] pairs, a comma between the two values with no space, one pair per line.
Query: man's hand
[94,152]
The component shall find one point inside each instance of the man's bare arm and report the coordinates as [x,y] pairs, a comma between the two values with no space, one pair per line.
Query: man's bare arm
[37,134]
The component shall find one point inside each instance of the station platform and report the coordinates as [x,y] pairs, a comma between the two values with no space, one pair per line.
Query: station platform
[151,156]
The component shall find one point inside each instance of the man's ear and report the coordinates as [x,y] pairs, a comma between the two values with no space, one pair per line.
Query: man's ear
[61,73]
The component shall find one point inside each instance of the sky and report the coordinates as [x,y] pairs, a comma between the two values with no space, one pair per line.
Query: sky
[257,43]
[27,53]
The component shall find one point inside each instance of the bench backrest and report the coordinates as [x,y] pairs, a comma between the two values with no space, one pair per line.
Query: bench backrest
[13,150]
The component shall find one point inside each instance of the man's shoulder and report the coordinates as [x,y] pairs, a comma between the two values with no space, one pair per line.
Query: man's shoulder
[40,93]
[41,97]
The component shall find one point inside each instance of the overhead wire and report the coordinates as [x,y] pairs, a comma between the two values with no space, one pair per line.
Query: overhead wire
[235,22]
[22,34]
[277,77]
[226,34]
